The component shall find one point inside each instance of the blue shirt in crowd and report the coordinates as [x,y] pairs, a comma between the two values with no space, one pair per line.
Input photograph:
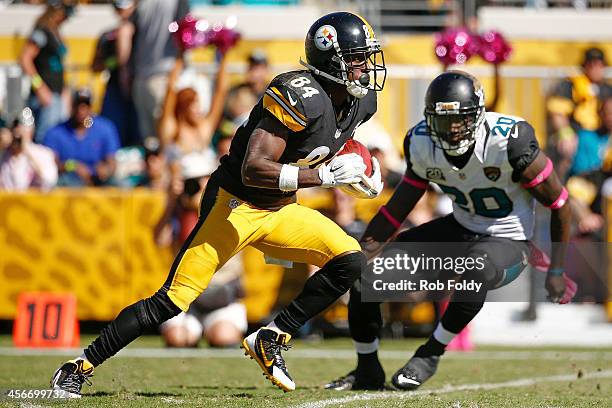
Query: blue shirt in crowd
[590,152]
[96,144]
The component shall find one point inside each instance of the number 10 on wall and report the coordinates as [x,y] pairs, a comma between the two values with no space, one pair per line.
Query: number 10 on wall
[46,320]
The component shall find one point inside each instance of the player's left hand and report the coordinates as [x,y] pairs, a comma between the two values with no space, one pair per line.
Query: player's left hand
[370,187]
[555,286]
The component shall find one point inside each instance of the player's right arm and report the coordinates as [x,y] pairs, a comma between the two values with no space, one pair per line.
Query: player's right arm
[286,115]
[390,216]
[261,168]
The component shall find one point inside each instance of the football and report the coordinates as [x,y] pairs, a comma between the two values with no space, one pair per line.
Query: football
[353,146]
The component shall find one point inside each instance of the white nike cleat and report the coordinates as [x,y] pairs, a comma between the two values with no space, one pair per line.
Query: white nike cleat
[264,346]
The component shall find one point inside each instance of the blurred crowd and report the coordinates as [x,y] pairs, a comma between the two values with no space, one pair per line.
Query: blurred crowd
[159,127]
[580,124]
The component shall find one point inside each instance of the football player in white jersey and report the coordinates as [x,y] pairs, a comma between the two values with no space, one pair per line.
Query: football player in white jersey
[492,167]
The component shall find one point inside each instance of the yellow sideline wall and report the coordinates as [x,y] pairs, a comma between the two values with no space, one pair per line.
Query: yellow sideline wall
[96,243]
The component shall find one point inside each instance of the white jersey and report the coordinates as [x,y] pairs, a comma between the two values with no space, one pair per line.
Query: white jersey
[487,195]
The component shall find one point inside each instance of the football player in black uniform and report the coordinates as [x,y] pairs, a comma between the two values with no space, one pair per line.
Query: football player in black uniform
[491,165]
[289,142]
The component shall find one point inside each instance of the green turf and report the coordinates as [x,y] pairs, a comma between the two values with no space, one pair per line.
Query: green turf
[237,382]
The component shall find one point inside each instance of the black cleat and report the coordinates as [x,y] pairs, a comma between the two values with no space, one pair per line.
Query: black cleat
[71,376]
[360,380]
[415,372]
[264,346]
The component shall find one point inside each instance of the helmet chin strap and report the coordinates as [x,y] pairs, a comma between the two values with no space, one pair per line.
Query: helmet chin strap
[354,88]
[459,151]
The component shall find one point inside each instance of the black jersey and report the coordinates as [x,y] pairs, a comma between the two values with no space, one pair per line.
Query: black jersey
[299,102]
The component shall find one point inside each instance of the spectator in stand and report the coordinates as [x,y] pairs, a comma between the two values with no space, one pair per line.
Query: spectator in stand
[182,124]
[24,164]
[153,54]
[84,145]
[591,168]
[593,144]
[244,96]
[258,73]
[574,105]
[186,134]
[157,174]
[5,135]
[240,101]
[112,54]
[42,60]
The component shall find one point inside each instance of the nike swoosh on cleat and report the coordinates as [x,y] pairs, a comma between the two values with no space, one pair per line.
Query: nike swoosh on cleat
[402,379]
[266,362]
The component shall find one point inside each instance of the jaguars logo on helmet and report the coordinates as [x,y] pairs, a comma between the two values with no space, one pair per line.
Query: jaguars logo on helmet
[336,44]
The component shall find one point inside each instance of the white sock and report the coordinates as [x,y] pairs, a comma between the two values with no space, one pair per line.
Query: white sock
[442,335]
[366,348]
[273,325]
[83,357]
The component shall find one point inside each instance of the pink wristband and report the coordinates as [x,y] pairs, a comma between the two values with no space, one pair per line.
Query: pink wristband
[415,183]
[560,201]
[542,176]
[389,217]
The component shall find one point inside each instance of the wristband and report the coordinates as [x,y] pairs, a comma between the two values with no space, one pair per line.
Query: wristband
[389,217]
[544,174]
[288,179]
[36,81]
[556,271]
[566,133]
[560,201]
[111,63]
[70,165]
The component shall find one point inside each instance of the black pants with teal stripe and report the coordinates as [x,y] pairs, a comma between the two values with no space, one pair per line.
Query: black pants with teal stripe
[506,259]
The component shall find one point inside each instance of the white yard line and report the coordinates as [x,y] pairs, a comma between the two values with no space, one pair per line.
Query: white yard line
[449,389]
[345,354]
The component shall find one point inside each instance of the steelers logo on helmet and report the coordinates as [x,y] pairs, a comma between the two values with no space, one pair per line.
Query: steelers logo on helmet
[341,47]
[325,37]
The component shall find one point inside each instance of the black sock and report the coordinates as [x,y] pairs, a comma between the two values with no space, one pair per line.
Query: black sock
[459,314]
[320,291]
[431,348]
[369,372]
[365,319]
[455,318]
[367,360]
[130,324]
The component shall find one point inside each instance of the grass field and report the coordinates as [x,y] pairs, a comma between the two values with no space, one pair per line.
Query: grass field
[147,376]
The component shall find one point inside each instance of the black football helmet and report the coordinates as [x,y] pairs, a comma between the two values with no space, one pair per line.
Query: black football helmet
[454,111]
[337,43]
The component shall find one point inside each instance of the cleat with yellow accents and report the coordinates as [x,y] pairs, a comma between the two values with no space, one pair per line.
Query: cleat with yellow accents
[264,346]
[71,376]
